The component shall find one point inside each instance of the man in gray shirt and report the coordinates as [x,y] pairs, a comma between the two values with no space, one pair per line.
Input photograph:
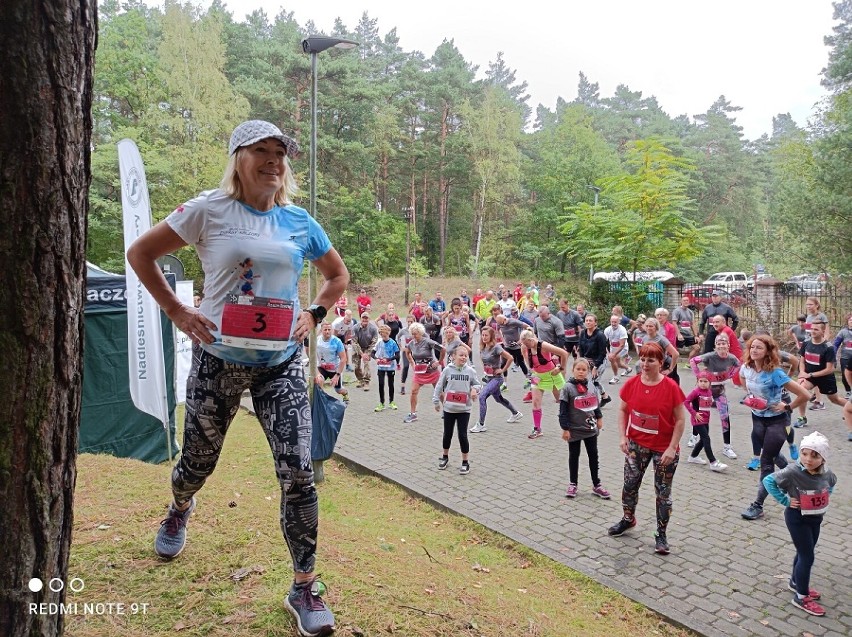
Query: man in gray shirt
[365,336]
[548,328]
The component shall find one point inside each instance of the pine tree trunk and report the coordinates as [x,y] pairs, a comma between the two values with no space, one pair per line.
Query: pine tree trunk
[45,137]
[442,185]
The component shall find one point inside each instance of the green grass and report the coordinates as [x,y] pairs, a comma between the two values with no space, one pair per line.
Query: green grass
[394,565]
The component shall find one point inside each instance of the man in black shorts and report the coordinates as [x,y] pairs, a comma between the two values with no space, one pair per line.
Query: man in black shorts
[816,369]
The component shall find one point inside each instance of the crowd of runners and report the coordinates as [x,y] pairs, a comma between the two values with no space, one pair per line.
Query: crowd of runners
[465,347]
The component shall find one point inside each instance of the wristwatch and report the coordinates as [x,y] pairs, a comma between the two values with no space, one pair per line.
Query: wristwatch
[318,312]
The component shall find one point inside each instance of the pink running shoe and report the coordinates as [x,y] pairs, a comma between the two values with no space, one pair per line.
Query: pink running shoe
[601,492]
[572,491]
[809,605]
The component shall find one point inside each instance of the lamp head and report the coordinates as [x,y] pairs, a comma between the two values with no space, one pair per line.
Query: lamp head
[319,43]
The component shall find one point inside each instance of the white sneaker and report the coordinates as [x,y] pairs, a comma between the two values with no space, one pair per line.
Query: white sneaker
[614,380]
[693,439]
[718,466]
[516,417]
[696,460]
[478,428]
[729,452]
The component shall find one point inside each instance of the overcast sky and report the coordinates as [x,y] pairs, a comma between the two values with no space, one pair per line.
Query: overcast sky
[763,55]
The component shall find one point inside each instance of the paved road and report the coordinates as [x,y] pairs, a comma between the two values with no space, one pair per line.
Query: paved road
[725,575]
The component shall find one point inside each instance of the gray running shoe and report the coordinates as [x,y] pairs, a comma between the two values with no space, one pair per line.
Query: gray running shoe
[171,538]
[313,617]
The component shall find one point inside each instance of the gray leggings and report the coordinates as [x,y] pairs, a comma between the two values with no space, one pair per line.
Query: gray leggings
[492,388]
[280,399]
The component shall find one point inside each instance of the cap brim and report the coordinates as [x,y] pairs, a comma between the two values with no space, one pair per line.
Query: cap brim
[290,144]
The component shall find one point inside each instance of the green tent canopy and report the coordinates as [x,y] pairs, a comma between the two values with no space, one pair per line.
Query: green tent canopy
[110,423]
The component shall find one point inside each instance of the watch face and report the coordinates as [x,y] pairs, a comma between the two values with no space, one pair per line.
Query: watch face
[319,311]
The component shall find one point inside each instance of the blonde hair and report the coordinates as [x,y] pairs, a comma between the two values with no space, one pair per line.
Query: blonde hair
[232,186]
[527,335]
[384,329]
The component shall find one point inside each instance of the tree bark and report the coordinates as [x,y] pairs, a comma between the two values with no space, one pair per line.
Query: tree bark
[442,185]
[45,141]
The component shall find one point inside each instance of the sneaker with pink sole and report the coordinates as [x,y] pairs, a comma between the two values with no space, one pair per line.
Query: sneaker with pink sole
[601,492]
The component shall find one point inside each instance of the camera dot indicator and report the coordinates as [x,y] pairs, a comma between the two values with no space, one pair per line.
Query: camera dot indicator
[35,585]
[56,584]
[76,584]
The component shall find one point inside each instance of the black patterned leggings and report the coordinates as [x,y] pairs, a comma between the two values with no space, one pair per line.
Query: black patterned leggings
[635,462]
[280,399]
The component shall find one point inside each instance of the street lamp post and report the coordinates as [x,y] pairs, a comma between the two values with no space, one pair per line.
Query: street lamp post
[597,192]
[314,45]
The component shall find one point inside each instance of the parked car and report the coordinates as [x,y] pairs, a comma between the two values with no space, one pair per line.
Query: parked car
[750,281]
[699,296]
[805,284]
[729,281]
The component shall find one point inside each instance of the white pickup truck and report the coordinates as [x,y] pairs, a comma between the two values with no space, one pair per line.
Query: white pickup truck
[728,281]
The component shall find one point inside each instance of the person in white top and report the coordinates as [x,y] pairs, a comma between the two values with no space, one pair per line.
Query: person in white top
[247,335]
[616,336]
[506,303]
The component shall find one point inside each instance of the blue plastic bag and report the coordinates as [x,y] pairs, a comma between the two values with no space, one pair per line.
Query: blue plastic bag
[327,416]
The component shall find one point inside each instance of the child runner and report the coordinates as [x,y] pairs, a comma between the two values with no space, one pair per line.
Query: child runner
[457,388]
[722,366]
[581,419]
[387,354]
[804,489]
[698,403]
[495,361]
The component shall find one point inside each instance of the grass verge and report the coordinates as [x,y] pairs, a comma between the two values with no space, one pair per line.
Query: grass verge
[394,565]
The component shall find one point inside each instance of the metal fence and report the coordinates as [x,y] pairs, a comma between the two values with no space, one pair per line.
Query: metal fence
[788,302]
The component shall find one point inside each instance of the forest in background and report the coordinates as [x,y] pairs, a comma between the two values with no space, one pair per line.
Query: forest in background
[496,189]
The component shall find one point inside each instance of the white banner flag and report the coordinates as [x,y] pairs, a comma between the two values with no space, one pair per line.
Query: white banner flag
[144,331]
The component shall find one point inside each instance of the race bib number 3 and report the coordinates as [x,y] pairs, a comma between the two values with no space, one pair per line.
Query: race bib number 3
[254,322]
[813,502]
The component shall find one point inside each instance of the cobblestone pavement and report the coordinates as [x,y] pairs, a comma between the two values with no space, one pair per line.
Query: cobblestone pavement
[725,575]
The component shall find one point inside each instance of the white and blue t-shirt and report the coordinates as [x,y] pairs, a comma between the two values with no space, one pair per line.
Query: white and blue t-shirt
[766,385]
[252,262]
[328,353]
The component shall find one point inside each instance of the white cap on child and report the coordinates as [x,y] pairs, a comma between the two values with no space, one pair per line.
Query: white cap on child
[816,442]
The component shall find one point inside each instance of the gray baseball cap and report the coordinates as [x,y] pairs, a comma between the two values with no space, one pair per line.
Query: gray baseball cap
[255,130]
